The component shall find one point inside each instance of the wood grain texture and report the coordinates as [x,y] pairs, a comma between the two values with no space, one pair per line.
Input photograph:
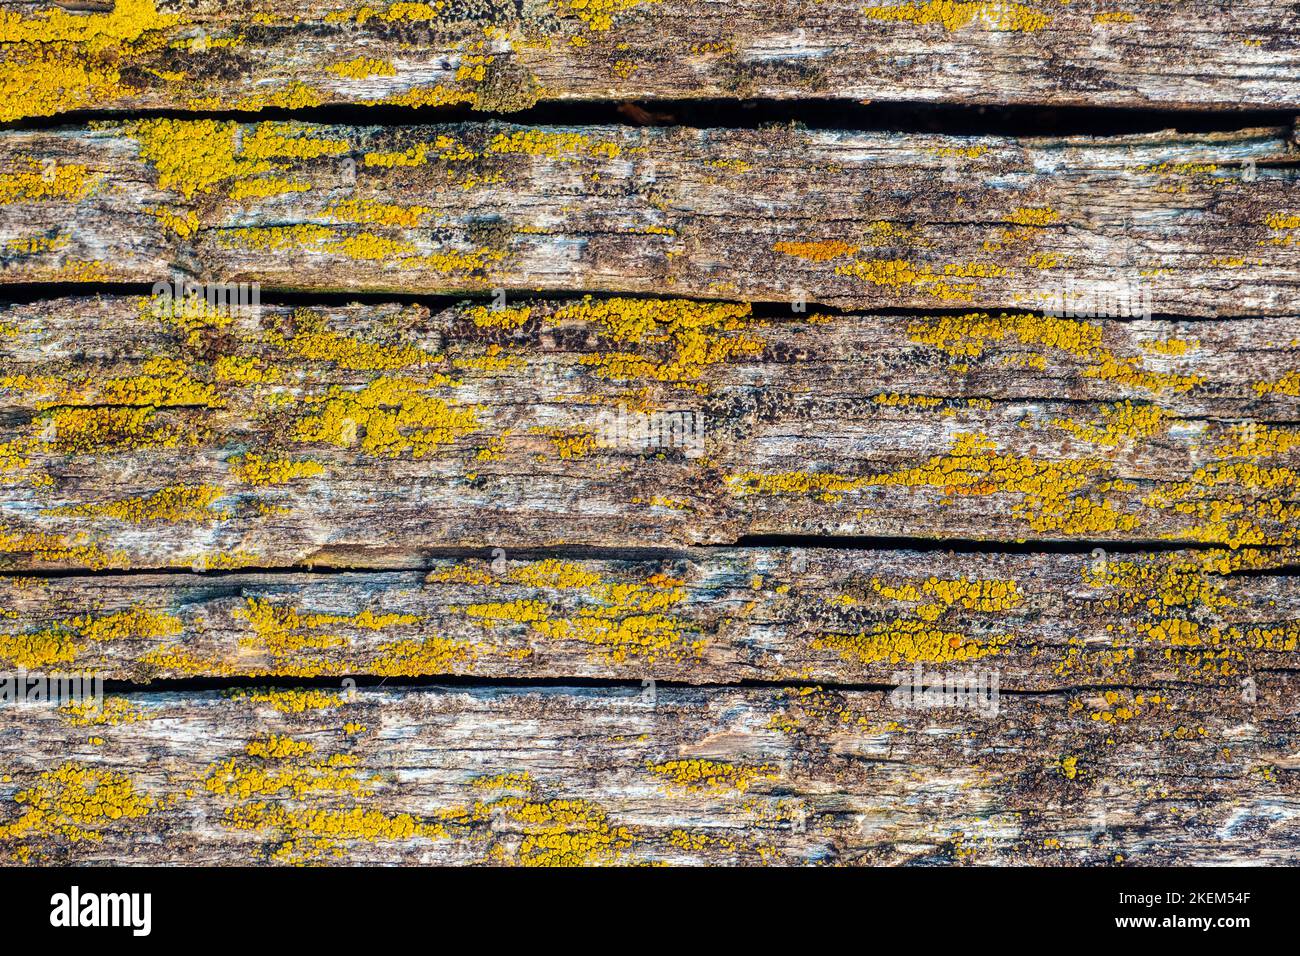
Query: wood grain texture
[205,55]
[1201,224]
[143,432]
[1043,621]
[679,776]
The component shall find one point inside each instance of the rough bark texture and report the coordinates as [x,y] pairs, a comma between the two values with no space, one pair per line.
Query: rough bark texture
[656,775]
[162,432]
[1168,223]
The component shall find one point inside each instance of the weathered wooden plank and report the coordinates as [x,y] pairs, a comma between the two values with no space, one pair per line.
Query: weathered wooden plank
[205,54]
[610,776]
[1201,224]
[1040,621]
[148,433]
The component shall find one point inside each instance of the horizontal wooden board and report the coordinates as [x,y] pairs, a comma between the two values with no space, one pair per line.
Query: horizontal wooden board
[1202,224]
[666,776]
[209,55]
[159,432]
[1040,621]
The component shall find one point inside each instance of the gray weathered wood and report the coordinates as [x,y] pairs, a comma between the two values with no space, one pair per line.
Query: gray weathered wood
[206,54]
[1195,224]
[370,434]
[1042,621]
[605,776]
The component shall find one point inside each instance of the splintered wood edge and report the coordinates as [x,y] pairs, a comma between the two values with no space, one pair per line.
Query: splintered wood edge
[1166,224]
[146,55]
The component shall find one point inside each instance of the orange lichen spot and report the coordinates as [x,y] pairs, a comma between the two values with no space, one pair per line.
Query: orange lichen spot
[816,251]
[377,213]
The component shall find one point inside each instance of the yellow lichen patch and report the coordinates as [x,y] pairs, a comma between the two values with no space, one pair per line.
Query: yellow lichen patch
[161,382]
[538,142]
[699,775]
[261,471]
[679,340]
[277,769]
[312,338]
[40,182]
[360,67]
[1035,216]
[969,336]
[1288,384]
[901,274]
[624,620]
[1171,346]
[173,504]
[76,803]
[816,251]
[111,712]
[192,314]
[1287,227]
[377,213]
[1115,16]
[955,15]
[57,60]
[90,431]
[62,641]
[974,467]
[388,417]
[424,656]
[417,155]
[289,636]
[1121,423]
[39,546]
[196,156]
[505,318]
[598,15]
[292,701]
[569,443]
[895,400]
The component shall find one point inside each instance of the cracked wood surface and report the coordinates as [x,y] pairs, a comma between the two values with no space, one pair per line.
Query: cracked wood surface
[1044,621]
[163,432]
[663,775]
[492,55]
[1203,224]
